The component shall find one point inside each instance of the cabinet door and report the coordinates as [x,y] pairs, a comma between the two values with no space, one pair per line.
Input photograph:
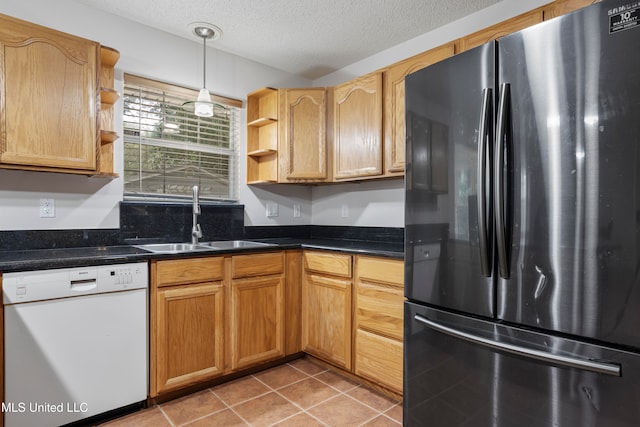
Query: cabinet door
[326,319]
[394,111]
[358,127]
[257,320]
[561,7]
[48,101]
[501,29]
[189,335]
[303,147]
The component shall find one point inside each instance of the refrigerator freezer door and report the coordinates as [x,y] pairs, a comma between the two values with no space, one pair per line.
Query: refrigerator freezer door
[453,381]
[573,176]
[447,162]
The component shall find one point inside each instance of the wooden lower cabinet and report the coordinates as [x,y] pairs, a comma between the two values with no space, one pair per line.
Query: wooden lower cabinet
[378,359]
[187,322]
[189,335]
[378,317]
[217,315]
[326,319]
[293,302]
[211,316]
[326,307]
[257,311]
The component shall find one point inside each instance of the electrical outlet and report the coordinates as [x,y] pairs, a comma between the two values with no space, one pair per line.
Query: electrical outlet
[272,210]
[344,211]
[296,211]
[47,208]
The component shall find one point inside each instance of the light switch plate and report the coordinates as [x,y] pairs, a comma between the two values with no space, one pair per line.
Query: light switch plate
[296,211]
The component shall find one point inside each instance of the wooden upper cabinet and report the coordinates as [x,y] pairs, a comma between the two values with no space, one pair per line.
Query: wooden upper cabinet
[561,7]
[394,111]
[501,29]
[48,98]
[303,135]
[357,115]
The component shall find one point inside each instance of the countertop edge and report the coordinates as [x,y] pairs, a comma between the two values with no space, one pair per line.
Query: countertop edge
[15,261]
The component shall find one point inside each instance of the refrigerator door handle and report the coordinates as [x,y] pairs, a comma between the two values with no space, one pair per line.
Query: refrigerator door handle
[499,208]
[484,223]
[571,362]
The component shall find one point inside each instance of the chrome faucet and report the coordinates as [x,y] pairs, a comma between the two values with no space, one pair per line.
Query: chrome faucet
[196,231]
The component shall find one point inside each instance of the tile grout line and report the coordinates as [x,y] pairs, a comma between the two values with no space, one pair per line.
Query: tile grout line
[344,393]
[171,423]
[302,410]
[210,413]
[230,407]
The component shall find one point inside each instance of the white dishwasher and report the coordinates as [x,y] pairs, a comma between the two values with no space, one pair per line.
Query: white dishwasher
[75,342]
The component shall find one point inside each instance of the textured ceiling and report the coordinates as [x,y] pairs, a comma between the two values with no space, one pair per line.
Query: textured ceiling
[310,38]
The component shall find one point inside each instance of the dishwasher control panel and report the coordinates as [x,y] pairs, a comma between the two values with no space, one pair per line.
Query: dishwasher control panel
[26,286]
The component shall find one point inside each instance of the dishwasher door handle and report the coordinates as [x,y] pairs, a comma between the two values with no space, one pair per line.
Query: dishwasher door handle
[82,286]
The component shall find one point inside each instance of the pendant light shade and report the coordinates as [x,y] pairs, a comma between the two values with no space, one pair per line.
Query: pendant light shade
[203,106]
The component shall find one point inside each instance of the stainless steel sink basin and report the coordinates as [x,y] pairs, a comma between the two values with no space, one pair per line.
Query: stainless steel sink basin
[177,248]
[174,248]
[235,244]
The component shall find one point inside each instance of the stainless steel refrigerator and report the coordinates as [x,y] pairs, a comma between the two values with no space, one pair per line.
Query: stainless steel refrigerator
[523,228]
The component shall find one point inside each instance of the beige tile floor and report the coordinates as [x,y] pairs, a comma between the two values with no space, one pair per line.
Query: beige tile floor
[299,393]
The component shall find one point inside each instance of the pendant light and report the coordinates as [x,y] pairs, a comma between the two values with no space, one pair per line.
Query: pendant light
[203,106]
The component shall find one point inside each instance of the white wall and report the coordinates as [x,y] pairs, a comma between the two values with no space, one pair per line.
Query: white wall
[381,203]
[93,203]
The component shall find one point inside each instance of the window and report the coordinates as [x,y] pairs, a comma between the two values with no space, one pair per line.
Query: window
[168,150]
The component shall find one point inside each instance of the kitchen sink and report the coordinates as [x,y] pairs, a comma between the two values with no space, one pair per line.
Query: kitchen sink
[235,244]
[174,248]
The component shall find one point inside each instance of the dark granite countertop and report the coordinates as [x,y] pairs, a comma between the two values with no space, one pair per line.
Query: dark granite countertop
[40,259]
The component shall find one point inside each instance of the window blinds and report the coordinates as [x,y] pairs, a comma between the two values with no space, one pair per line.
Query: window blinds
[168,150]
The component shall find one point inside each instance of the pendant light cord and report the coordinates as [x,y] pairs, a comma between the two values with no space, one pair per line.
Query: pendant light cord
[204,58]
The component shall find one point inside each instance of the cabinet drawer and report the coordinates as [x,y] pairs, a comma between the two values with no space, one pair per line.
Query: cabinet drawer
[379,359]
[380,309]
[260,264]
[328,263]
[190,270]
[383,270]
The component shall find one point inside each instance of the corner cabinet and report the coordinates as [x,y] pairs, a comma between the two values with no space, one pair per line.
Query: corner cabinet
[304,149]
[326,306]
[394,110]
[262,136]
[357,127]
